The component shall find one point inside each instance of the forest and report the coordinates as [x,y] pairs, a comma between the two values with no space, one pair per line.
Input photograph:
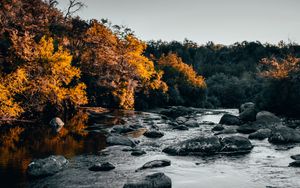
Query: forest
[52,62]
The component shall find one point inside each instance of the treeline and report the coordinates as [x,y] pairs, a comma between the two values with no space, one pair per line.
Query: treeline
[51,63]
[249,71]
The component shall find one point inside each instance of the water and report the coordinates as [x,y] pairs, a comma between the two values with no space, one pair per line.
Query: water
[83,138]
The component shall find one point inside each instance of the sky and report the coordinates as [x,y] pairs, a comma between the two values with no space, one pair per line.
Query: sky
[220,21]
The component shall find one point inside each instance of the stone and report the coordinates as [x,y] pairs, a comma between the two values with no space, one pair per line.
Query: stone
[156,164]
[191,123]
[296,157]
[260,134]
[156,180]
[284,135]
[248,114]
[267,118]
[228,119]
[102,167]
[235,145]
[181,127]
[180,120]
[245,106]
[218,128]
[47,166]
[153,134]
[295,164]
[56,124]
[120,140]
[202,145]
[138,153]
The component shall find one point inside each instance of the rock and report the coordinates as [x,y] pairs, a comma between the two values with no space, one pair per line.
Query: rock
[235,145]
[245,106]
[206,123]
[47,166]
[153,134]
[56,124]
[250,128]
[180,120]
[102,167]
[218,128]
[191,123]
[156,164]
[267,118]
[296,157]
[248,114]
[156,180]
[202,145]
[260,134]
[138,153]
[283,135]
[181,127]
[229,119]
[120,140]
[177,111]
[295,164]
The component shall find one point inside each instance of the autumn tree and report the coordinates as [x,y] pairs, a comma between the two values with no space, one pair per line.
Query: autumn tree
[186,87]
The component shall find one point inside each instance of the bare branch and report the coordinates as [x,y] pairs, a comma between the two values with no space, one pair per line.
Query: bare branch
[74,6]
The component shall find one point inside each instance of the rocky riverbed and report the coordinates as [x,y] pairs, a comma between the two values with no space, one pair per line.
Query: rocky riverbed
[175,147]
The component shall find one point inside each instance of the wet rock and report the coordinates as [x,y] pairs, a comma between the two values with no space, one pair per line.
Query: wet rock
[138,153]
[202,145]
[250,128]
[245,106]
[284,135]
[180,120]
[181,127]
[102,167]
[177,111]
[218,128]
[120,140]
[248,114]
[206,123]
[153,134]
[156,180]
[191,123]
[235,144]
[260,134]
[56,124]
[156,164]
[296,157]
[267,118]
[295,164]
[47,166]
[229,119]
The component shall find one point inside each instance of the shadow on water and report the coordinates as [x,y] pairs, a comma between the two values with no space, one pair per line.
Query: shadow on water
[20,145]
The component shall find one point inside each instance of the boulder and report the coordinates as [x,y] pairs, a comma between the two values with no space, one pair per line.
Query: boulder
[156,164]
[121,129]
[245,106]
[47,166]
[284,135]
[235,145]
[102,167]
[180,120]
[260,134]
[154,134]
[296,157]
[229,119]
[248,114]
[267,118]
[120,140]
[191,123]
[177,111]
[250,127]
[56,124]
[156,180]
[202,145]
[230,130]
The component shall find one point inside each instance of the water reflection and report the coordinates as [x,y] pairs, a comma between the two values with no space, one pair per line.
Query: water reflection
[19,146]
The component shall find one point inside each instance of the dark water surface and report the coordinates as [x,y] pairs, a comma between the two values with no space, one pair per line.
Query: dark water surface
[84,136]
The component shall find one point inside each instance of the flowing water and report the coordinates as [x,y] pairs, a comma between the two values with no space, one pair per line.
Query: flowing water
[83,137]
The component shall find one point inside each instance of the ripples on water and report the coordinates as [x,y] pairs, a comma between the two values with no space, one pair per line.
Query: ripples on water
[266,165]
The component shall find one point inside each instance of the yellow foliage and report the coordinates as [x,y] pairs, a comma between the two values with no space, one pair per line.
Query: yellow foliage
[175,62]
[125,96]
[280,68]
[11,85]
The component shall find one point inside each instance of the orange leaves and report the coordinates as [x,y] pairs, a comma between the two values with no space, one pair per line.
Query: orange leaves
[174,62]
[280,68]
